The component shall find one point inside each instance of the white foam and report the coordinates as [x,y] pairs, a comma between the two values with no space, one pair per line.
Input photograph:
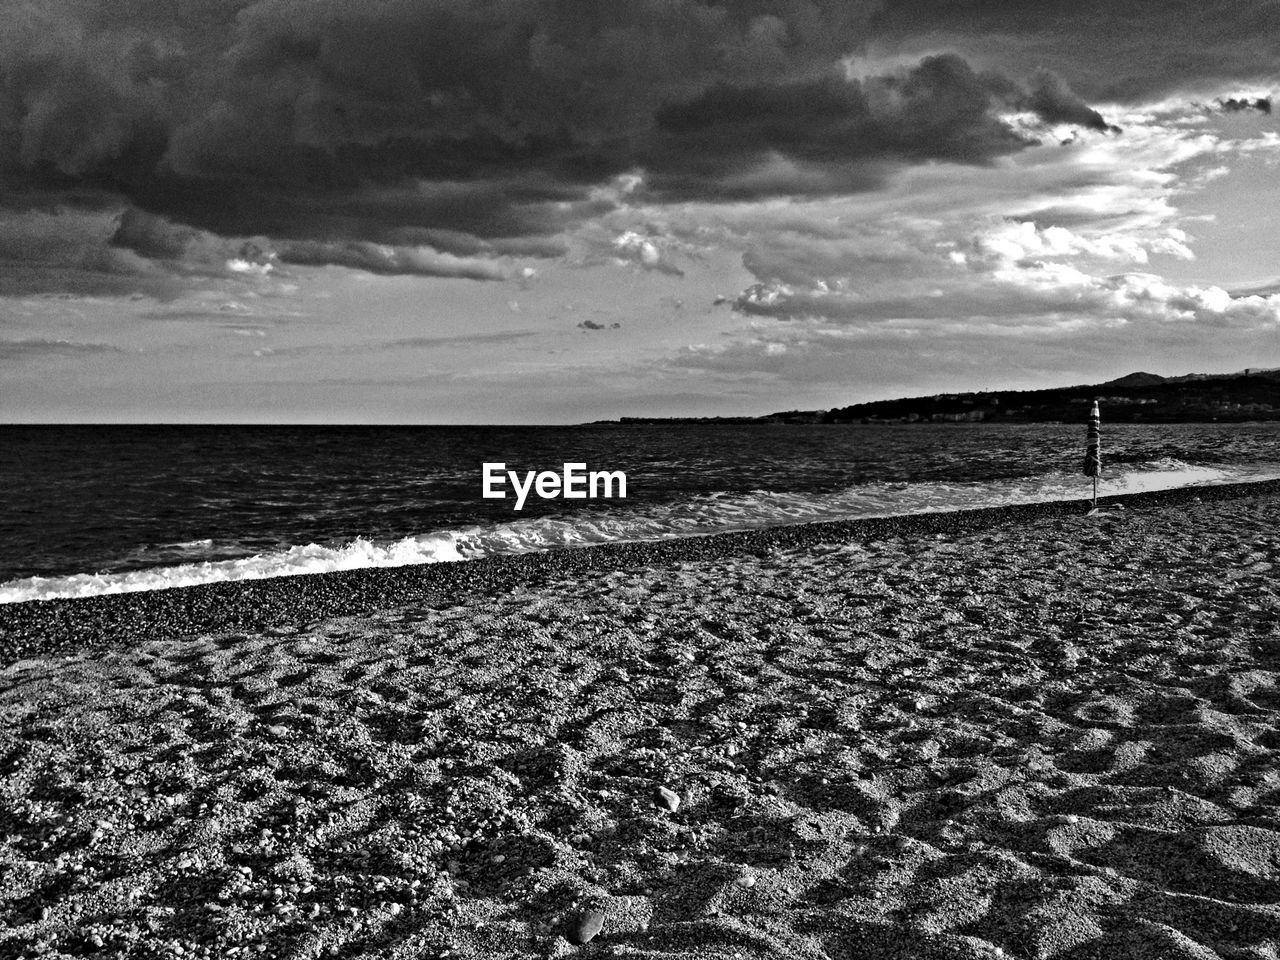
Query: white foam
[312,558]
[706,514]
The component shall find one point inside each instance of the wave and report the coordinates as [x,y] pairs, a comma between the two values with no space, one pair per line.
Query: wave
[697,516]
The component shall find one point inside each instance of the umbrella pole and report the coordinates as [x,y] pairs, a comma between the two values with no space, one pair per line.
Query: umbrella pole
[1095,492]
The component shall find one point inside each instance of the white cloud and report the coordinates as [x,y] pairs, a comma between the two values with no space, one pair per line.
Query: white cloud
[1020,257]
[649,252]
[1009,241]
[239,265]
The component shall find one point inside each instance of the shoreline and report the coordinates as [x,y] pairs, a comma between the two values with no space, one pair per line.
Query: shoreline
[41,627]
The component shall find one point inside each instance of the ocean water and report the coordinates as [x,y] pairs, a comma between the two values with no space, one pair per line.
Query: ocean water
[107,509]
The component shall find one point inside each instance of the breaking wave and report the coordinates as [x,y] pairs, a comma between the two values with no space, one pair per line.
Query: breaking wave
[205,561]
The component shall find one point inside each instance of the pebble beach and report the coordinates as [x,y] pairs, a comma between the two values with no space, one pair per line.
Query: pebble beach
[1011,733]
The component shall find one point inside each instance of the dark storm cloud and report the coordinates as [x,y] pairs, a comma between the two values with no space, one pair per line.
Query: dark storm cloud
[835,134]
[841,133]
[157,238]
[62,251]
[479,130]
[235,116]
[1124,50]
[1055,102]
[1238,104]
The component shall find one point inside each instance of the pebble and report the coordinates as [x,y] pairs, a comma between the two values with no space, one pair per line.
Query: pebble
[667,798]
[746,882]
[589,924]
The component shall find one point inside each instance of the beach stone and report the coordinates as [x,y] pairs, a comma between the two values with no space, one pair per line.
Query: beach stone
[667,798]
[589,924]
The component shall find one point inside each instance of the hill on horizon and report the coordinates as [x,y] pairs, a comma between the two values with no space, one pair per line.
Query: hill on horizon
[1138,397]
[1135,397]
[1139,379]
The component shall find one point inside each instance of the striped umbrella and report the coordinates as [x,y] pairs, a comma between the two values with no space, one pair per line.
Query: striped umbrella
[1093,451]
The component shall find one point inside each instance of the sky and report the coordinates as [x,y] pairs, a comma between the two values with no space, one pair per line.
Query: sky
[545,211]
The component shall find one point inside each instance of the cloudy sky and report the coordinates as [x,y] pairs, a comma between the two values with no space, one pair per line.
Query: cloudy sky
[435,211]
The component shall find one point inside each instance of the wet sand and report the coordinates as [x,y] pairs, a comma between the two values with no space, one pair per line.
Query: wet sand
[1018,733]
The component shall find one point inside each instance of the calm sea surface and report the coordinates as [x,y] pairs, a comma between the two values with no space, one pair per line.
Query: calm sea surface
[93,509]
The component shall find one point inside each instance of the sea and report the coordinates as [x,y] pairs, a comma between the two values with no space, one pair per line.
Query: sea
[107,509]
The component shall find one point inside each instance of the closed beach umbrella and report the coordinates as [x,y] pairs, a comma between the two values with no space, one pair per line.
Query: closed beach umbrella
[1093,450]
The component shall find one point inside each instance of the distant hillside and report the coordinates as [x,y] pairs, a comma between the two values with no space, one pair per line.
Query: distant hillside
[1253,394]
[1136,398]
[1135,380]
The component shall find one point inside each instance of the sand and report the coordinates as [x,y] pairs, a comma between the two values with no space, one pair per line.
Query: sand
[1022,733]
